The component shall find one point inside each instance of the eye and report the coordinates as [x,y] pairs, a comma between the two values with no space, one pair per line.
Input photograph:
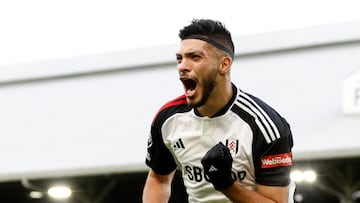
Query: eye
[195,57]
[178,59]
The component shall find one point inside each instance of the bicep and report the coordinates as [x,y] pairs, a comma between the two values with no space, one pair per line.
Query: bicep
[161,179]
[279,194]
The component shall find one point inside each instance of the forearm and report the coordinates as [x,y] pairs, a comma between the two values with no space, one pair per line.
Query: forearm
[155,192]
[239,194]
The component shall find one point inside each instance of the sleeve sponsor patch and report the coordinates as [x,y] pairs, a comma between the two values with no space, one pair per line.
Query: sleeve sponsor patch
[276,160]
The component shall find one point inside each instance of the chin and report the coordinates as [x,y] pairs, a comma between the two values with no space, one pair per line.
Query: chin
[195,103]
[191,101]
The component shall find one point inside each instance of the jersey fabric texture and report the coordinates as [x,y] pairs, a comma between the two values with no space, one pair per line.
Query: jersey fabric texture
[259,140]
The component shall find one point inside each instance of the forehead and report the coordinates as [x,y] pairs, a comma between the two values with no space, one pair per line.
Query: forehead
[192,45]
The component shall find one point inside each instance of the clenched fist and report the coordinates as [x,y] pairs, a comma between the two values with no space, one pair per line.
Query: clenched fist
[217,164]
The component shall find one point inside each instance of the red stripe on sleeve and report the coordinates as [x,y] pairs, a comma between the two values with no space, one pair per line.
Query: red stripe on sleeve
[177,101]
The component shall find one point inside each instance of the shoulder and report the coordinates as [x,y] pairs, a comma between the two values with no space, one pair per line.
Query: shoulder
[261,116]
[177,105]
[253,104]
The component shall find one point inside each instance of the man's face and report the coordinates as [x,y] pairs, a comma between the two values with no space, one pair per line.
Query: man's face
[198,67]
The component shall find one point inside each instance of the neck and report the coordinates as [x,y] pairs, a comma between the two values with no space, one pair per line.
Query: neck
[218,99]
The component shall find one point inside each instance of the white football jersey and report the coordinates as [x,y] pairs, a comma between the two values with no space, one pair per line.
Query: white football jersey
[258,138]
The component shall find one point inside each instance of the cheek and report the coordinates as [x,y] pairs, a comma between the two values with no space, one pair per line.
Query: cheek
[209,78]
[209,68]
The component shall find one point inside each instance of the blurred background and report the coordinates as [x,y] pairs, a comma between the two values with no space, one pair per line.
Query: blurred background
[80,82]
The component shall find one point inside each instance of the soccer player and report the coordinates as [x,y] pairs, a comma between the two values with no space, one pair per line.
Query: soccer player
[229,145]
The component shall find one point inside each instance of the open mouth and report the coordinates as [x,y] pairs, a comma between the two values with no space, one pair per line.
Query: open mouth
[189,85]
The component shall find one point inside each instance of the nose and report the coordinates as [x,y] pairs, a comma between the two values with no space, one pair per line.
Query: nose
[183,67]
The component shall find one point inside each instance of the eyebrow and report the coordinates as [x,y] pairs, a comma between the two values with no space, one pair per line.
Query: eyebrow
[190,53]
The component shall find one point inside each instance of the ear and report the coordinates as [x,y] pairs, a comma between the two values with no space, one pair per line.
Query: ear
[225,65]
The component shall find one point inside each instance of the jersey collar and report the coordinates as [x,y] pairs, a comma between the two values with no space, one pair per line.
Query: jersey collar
[225,108]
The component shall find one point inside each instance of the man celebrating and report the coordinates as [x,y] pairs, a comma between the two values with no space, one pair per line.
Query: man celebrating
[229,145]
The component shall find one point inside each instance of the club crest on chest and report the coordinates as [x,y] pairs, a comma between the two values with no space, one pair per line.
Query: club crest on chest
[232,145]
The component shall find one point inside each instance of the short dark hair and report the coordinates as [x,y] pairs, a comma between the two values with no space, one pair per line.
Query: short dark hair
[210,29]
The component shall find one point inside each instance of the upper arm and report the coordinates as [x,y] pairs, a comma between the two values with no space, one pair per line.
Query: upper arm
[157,187]
[272,151]
[159,158]
[273,158]
[279,194]
[161,179]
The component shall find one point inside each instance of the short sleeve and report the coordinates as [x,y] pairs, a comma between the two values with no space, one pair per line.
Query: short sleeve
[273,160]
[158,157]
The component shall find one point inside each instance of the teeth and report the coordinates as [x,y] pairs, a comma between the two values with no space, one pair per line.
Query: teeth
[189,92]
